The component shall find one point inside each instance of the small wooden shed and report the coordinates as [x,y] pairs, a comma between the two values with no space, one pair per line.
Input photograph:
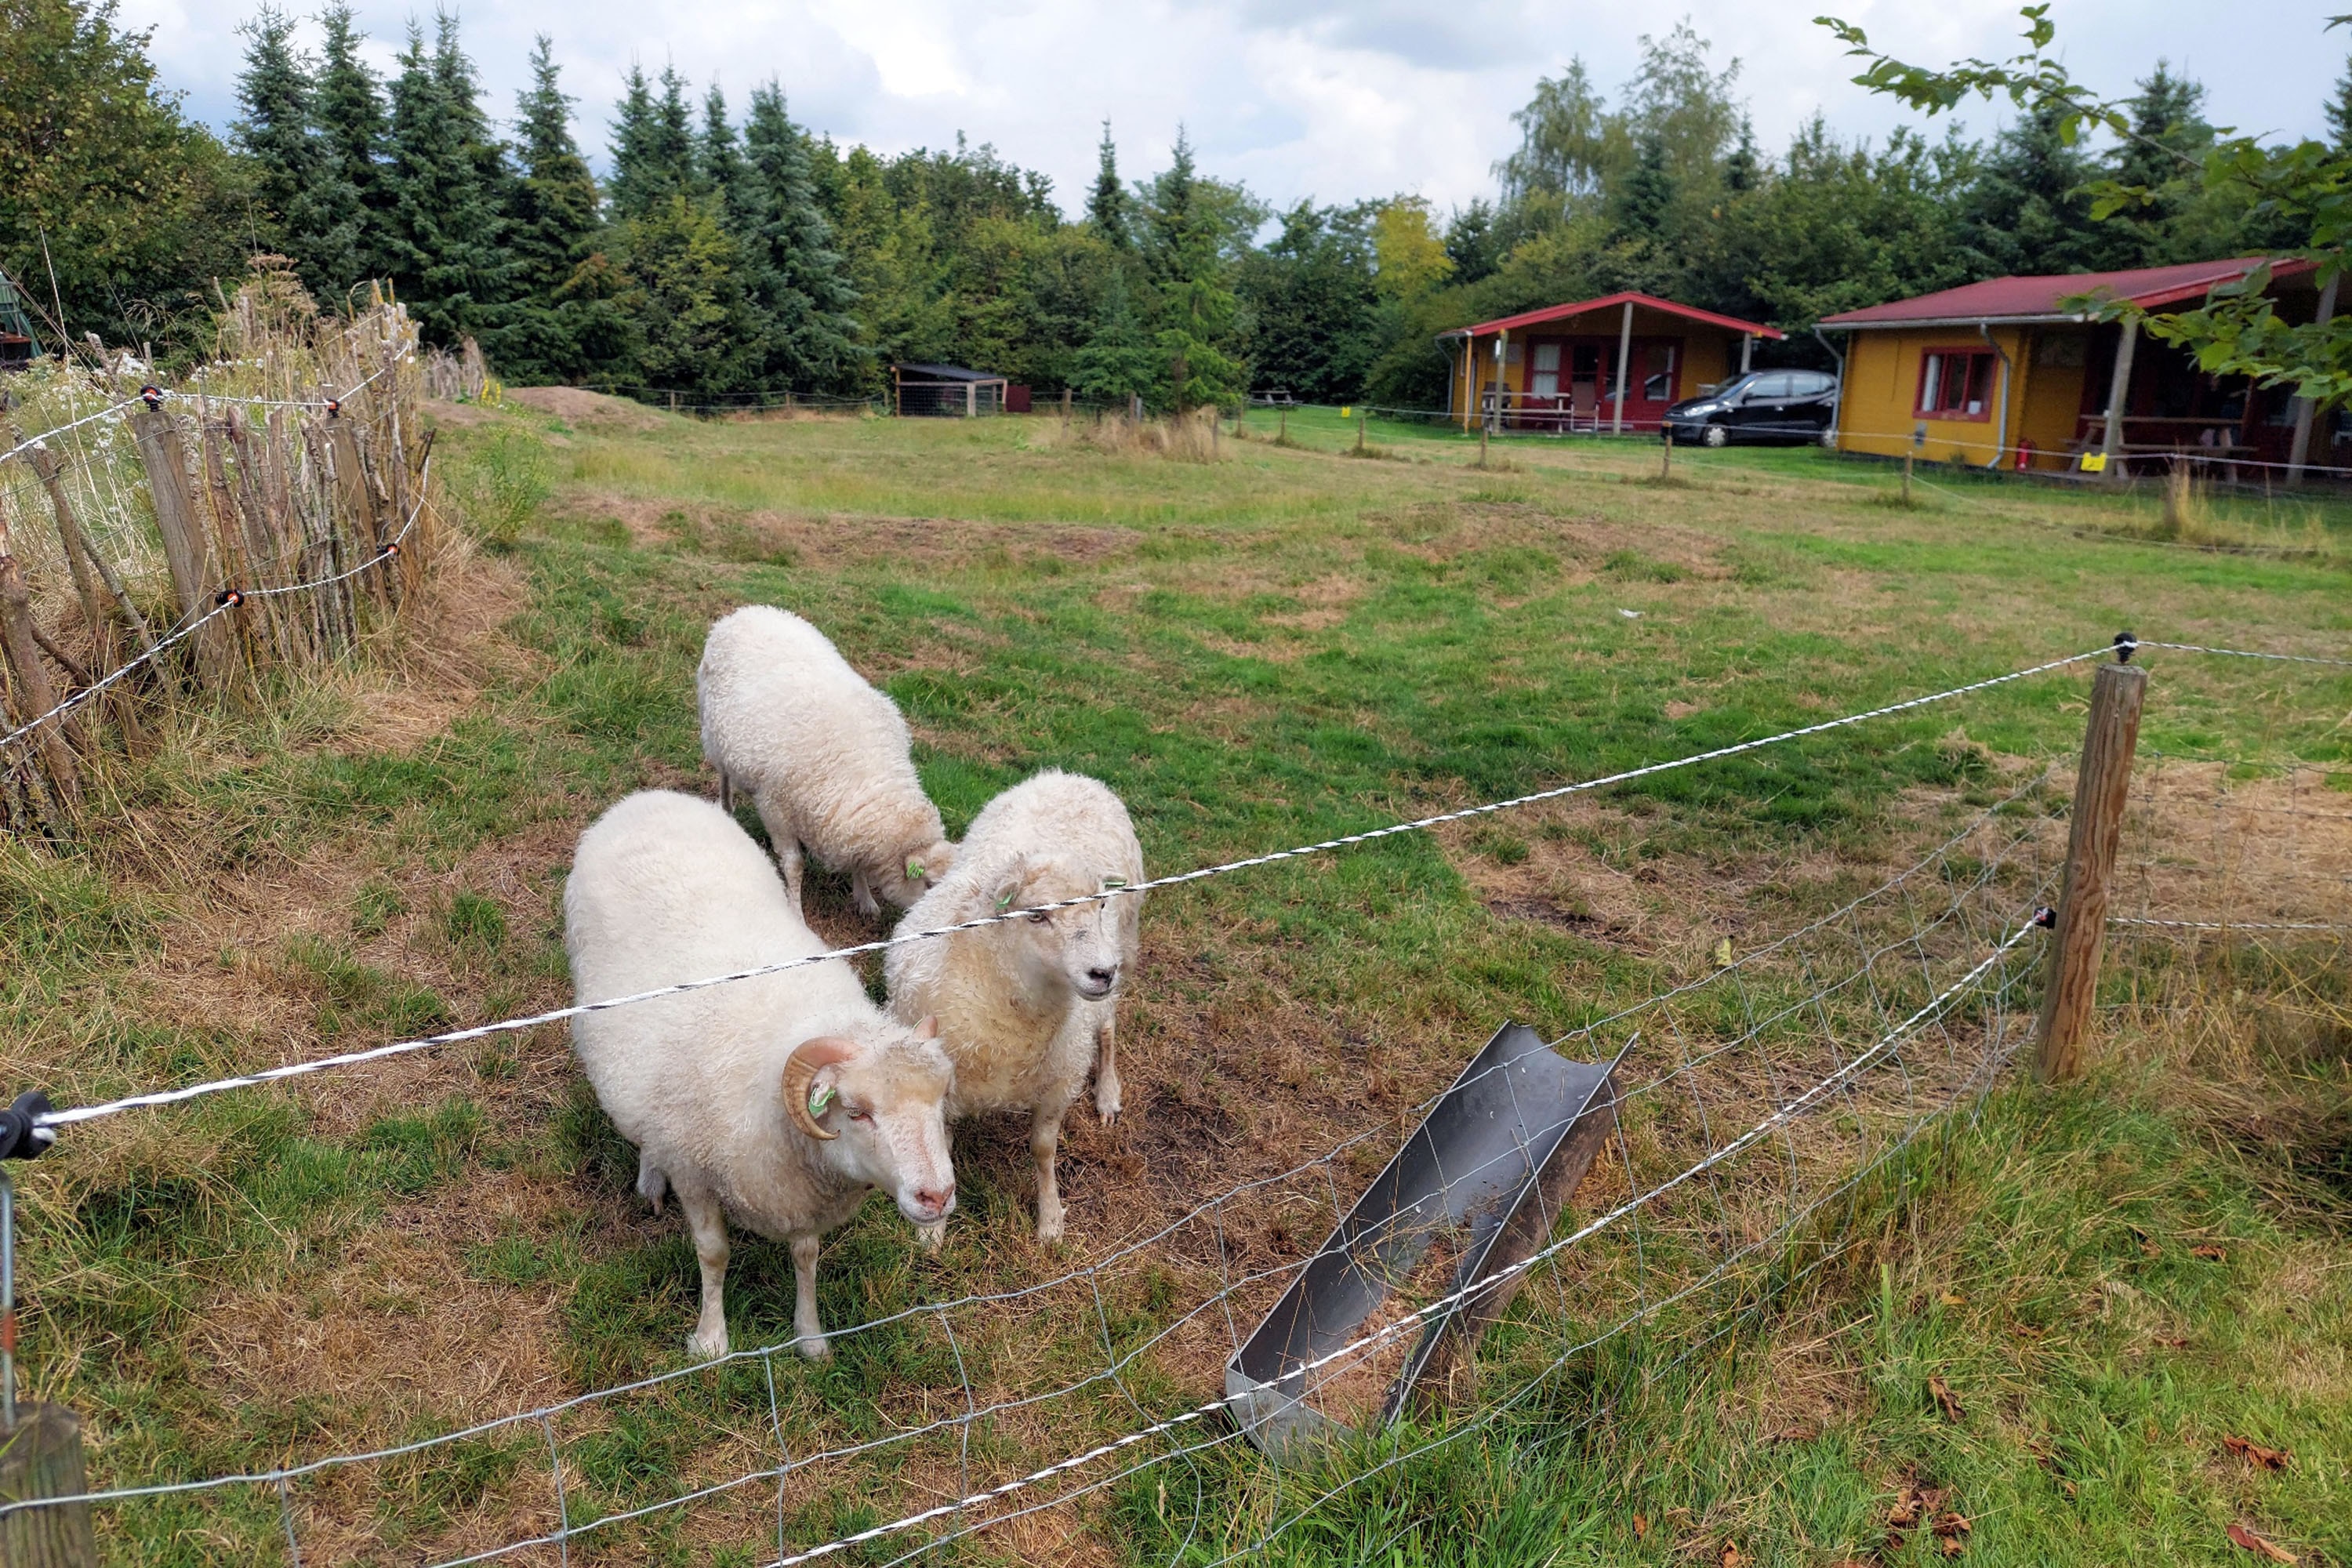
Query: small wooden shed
[1615,364]
[945,390]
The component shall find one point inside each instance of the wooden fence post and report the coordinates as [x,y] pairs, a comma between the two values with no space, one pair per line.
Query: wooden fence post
[41,1457]
[17,635]
[185,549]
[2076,941]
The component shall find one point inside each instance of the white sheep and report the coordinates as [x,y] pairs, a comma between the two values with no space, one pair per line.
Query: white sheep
[1025,1006]
[781,1099]
[822,754]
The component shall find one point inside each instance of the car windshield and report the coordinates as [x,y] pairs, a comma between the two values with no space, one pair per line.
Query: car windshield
[1730,390]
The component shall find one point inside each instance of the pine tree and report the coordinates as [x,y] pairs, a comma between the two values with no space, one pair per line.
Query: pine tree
[1106,206]
[1120,361]
[297,179]
[653,146]
[462,89]
[1196,302]
[1643,202]
[699,334]
[812,338]
[2338,111]
[348,104]
[444,233]
[2028,211]
[719,158]
[564,327]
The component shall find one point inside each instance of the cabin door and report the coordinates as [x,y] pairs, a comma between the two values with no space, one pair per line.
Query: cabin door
[1588,365]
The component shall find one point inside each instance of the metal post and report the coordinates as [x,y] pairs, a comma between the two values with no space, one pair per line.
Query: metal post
[1747,351]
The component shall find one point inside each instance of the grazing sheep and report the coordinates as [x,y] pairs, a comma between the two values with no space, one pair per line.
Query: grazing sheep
[821,754]
[781,1099]
[1027,1005]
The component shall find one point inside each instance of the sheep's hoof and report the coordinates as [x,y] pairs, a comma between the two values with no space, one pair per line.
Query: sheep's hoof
[933,1236]
[1106,1100]
[814,1347]
[1049,1229]
[862,898]
[706,1347]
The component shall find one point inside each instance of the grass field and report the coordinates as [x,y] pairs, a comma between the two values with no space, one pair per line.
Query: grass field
[1280,646]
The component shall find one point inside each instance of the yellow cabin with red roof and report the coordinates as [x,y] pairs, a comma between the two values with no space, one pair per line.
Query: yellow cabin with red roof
[2020,373]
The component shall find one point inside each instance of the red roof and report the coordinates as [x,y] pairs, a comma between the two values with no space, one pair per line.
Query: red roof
[2033,299]
[1647,301]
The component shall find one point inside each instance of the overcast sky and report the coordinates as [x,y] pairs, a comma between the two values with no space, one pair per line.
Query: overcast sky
[1318,99]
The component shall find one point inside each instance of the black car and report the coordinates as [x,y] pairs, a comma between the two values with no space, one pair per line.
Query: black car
[1762,405]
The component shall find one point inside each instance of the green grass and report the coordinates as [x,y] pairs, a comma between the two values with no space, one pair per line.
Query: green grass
[1274,648]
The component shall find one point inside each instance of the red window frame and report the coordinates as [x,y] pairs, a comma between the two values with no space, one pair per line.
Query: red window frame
[1941,363]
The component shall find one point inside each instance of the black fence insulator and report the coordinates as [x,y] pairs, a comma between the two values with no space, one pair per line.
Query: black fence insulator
[2125,646]
[229,596]
[152,396]
[2045,917]
[334,407]
[22,1136]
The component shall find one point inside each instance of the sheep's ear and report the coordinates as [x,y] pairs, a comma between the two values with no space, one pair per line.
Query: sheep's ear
[928,1029]
[1010,882]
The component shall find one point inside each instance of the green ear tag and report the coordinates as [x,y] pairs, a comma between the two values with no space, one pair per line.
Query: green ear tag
[1111,883]
[914,871]
[820,1099]
[1005,903]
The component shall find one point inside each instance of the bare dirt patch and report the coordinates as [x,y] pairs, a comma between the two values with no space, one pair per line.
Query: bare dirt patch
[1442,531]
[580,407]
[839,537]
[2201,846]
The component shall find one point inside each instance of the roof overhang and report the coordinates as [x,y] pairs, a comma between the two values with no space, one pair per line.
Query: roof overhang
[1555,313]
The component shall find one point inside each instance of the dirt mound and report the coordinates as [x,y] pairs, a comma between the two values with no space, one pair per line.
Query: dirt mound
[581,406]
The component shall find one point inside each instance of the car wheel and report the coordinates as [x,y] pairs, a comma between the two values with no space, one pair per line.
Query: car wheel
[1717,436]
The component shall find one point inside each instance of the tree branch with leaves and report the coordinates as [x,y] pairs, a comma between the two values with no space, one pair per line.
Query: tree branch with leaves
[2303,189]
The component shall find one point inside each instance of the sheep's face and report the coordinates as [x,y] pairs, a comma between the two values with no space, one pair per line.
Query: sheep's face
[915,873]
[886,1106]
[1076,948]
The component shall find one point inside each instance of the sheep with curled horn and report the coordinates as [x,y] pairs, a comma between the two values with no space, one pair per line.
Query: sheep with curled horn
[778,1101]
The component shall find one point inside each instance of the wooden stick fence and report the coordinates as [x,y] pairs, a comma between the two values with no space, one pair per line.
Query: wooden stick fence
[260,515]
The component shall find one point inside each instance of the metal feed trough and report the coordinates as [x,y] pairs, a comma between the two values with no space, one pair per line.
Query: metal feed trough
[1490,1169]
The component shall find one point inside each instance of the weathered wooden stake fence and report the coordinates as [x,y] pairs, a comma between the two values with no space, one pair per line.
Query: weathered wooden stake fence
[260,515]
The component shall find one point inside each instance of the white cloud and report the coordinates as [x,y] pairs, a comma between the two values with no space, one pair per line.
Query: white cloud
[1333,100]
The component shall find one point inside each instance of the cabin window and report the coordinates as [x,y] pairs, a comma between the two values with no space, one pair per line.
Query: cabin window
[1546,382]
[1956,384]
[1658,374]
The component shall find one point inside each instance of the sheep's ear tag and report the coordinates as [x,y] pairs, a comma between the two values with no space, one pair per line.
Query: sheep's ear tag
[1112,884]
[820,1099]
[1005,903]
[914,871]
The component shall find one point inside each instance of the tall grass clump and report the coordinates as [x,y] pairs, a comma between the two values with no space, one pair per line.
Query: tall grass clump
[502,483]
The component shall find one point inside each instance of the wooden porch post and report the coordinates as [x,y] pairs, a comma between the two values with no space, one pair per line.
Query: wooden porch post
[2119,388]
[2300,451]
[1624,352]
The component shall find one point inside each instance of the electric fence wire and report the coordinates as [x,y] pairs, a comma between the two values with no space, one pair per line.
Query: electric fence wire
[433,1042]
[159,394]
